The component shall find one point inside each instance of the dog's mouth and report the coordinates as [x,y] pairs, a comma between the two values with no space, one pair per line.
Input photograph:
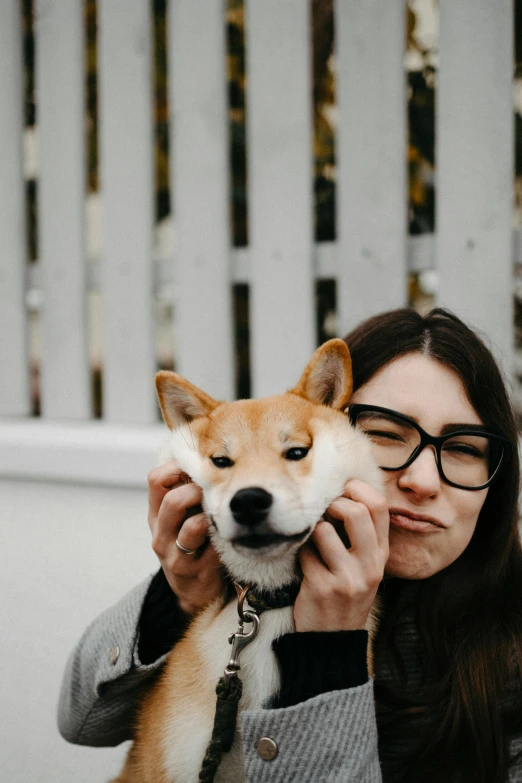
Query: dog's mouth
[262,541]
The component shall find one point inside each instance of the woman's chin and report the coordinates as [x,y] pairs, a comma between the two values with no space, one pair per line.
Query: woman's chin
[410,563]
[402,571]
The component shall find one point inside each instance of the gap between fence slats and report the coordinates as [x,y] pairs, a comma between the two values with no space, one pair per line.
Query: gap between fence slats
[125,83]
[371,158]
[204,344]
[64,371]
[280,207]
[14,378]
[475,167]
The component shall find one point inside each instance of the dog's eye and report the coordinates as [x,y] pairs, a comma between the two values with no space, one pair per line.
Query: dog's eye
[297,453]
[222,462]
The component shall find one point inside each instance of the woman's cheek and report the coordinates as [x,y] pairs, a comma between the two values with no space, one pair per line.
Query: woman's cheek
[418,555]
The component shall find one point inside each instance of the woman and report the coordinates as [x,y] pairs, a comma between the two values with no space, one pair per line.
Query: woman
[448,655]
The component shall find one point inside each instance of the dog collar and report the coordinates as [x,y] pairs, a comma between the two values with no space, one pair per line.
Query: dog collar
[260,600]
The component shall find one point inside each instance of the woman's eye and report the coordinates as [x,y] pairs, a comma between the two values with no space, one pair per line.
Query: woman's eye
[297,453]
[385,435]
[463,449]
[222,462]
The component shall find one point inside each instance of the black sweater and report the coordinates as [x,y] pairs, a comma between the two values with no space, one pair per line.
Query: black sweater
[310,663]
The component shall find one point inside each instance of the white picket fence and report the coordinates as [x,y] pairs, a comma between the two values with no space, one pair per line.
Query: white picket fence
[473,250]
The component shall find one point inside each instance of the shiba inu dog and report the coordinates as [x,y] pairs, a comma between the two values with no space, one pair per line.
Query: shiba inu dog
[269,469]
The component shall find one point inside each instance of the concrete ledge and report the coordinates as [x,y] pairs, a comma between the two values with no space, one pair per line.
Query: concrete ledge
[84,453]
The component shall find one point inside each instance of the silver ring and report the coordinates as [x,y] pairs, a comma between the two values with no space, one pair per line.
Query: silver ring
[184,550]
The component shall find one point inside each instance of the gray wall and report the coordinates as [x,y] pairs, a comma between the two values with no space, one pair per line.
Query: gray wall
[66,553]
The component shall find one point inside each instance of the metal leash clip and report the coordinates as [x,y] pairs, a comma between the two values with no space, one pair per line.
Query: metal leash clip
[240,639]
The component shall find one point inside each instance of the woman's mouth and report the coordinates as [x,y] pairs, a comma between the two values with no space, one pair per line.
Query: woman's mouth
[416,523]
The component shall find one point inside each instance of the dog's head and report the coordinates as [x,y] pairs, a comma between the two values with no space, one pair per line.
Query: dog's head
[268,468]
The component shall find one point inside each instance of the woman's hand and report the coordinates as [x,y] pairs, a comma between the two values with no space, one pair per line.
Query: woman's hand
[195,579]
[339,584]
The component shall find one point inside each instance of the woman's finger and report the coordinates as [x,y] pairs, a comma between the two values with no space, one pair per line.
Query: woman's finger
[161,480]
[193,533]
[358,524]
[182,566]
[377,505]
[173,513]
[311,565]
[330,548]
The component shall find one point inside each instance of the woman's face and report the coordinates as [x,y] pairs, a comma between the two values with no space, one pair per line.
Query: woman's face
[431,522]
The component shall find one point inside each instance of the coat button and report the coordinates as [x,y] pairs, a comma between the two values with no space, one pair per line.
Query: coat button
[267,748]
[115,654]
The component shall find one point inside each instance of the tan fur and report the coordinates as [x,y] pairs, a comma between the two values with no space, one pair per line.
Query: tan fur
[255,435]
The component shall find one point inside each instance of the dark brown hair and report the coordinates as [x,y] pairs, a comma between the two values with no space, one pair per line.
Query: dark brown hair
[470,614]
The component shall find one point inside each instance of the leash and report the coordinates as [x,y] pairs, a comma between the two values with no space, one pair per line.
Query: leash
[228,691]
[230,688]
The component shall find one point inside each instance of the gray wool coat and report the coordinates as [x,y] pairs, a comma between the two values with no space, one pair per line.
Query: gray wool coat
[331,738]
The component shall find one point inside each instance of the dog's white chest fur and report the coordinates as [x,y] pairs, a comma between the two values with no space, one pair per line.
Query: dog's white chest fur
[188,730]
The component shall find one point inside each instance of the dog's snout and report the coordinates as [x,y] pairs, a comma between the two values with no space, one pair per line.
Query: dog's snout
[250,506]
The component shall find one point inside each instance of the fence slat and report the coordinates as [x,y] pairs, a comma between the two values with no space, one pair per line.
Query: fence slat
[371,158]
[127,193]
[475,167]
[279,154]
[14,378]
[204,350]
[64,372]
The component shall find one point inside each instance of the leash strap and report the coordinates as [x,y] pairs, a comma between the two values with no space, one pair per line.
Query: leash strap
[229,690]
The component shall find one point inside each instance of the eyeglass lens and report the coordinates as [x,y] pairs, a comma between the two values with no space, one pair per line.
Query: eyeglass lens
[468,460]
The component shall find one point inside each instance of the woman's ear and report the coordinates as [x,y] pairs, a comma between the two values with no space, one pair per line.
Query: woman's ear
[327,378]
[180,401]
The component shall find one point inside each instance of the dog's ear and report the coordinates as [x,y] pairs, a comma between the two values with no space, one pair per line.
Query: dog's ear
[180,400]
[327,378]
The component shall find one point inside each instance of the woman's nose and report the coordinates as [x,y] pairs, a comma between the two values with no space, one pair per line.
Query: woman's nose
[422,476]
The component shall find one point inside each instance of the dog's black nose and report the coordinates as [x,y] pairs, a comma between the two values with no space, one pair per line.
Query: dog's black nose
[250,506]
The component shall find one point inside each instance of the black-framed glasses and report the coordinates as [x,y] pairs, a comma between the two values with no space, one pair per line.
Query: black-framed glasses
[468,458]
